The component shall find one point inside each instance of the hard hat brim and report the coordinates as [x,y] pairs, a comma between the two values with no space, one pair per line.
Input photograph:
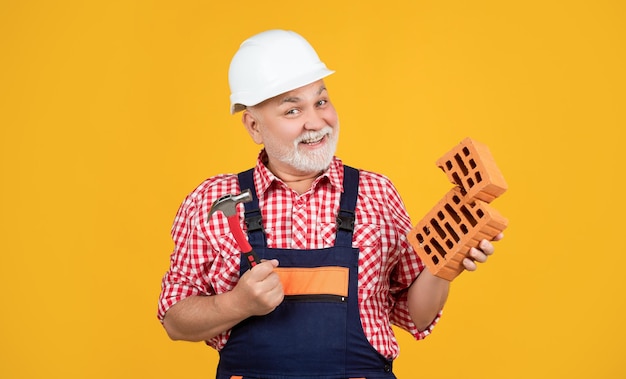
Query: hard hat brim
[243,99]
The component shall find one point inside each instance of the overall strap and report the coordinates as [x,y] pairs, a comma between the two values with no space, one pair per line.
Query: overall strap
[345,218]
[347,205]
[253,218]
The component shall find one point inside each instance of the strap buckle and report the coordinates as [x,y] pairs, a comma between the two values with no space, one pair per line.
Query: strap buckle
[345,221]
[254,223]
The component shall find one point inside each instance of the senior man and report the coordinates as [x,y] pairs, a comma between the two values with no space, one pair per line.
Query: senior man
[336,268]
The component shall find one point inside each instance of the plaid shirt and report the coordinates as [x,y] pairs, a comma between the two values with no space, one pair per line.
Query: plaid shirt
[205,260]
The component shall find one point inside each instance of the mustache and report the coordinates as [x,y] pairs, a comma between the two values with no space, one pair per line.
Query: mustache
[314,134]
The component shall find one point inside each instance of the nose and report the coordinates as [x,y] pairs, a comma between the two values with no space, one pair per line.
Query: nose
[315,120]
[314,123]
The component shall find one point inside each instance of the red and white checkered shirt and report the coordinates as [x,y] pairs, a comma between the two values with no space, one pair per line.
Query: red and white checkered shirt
[205,260]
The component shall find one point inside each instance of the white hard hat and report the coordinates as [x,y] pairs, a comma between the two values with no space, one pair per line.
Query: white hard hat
[271,63]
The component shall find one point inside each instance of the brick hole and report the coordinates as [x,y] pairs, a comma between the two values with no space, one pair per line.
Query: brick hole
[452,233]
[427,249]
[452,213]
[461,164]
[438,247]
[456,199]
[464,228]
[440,215]
[470,182]
[435,260]
[449,165]
[479,177]
[468,215]
[466,151]
[438,228]
[426,230]
[450,244]
[472,163]
[480,213]
[456,178]
[420,238]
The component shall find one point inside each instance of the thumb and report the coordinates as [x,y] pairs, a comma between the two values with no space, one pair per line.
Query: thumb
[273,262]
[264,269]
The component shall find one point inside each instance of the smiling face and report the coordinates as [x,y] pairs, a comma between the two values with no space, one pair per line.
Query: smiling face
[299,130]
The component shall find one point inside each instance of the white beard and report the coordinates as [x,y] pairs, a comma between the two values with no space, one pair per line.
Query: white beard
[308,162]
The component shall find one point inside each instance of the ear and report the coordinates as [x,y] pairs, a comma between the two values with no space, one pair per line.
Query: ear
[252,125]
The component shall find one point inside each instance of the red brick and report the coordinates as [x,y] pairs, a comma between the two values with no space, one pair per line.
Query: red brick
[459,221]
[445,235]
[471,166]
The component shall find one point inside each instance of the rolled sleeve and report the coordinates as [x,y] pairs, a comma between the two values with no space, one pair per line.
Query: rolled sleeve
[400,317]
[188,261]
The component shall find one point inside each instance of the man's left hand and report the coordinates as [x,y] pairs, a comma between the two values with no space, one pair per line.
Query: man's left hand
[480,254]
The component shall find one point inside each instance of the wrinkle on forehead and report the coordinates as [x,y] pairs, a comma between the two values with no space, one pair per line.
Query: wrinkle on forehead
[289,98]
[292,97]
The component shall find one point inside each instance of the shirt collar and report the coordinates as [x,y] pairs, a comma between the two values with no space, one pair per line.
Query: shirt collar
[264,178]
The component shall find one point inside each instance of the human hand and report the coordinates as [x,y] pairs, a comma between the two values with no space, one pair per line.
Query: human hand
[480,254]
[259,290]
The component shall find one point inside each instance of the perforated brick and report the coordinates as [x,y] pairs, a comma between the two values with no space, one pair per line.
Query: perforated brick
[459,221]
[471,166]
[445,235]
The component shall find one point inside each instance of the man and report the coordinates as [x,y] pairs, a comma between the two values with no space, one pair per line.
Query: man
[336,268]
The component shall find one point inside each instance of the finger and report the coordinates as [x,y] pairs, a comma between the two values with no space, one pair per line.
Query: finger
[272,281]
[274,262]
[498,237]
[486,247]
[277,291]
[469,264]
[275,297]
[273,293]
[478,256]
[263,269]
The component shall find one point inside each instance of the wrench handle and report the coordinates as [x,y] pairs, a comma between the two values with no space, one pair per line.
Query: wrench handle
[242,241]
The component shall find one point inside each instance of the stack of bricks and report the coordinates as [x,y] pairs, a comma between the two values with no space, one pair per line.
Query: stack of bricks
[463,218]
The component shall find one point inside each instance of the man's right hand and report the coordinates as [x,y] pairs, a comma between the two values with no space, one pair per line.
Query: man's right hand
[259,290]
[200,318]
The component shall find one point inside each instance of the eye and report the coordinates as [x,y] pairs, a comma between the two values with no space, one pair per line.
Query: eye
[321,103]
[292,112]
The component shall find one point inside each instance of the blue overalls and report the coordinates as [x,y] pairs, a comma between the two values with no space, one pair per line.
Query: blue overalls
[308,335]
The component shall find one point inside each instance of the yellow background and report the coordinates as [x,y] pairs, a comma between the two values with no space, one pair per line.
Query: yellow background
[112,111]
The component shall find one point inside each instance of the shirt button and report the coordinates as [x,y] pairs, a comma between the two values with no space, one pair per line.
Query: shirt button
[387,368]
